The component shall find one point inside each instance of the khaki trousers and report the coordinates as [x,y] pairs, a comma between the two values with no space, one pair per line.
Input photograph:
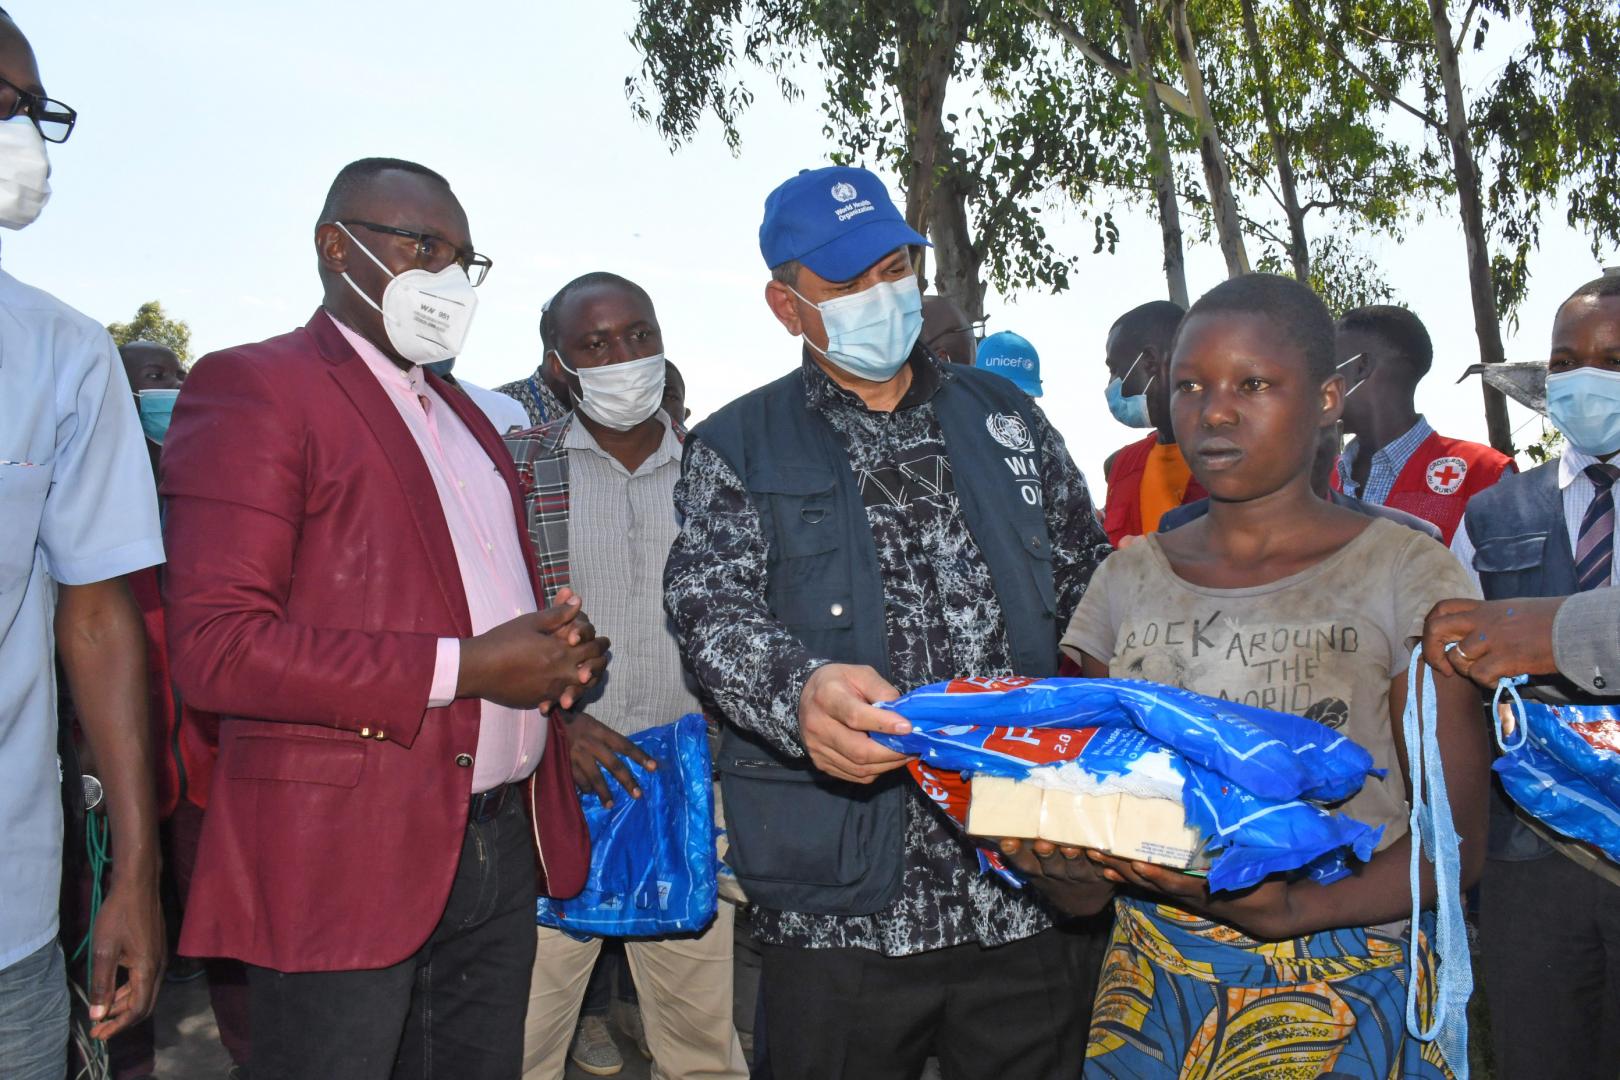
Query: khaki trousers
[685,986]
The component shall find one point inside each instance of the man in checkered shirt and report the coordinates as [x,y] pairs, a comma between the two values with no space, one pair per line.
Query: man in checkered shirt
[598,484]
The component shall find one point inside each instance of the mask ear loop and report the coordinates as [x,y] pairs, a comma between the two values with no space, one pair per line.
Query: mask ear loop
[1351,360]
[1500,723]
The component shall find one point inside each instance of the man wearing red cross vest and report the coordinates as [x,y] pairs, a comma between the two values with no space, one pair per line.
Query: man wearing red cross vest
[1396,459]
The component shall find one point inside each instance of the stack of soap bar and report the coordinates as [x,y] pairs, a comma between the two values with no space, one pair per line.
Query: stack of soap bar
[1132,827]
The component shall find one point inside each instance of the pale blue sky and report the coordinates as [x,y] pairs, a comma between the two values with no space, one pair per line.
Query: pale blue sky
[209,132]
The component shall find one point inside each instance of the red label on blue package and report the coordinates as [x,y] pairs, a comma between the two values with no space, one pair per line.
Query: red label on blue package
[1601,734]
[1039,745]
[988,685]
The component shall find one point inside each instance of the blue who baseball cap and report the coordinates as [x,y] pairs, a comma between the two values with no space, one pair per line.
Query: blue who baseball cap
[1012,356]
[837,221]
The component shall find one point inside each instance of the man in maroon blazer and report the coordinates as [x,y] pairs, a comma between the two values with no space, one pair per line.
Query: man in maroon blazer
[350,588]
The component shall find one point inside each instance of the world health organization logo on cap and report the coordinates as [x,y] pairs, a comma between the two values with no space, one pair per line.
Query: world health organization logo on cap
[843,191]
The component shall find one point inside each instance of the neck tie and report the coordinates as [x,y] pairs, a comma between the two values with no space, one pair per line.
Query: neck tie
[1594,551]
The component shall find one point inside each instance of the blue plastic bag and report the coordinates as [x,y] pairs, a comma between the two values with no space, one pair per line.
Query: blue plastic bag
[1561,765]
[1006,727]
[1274,755]
[653,860]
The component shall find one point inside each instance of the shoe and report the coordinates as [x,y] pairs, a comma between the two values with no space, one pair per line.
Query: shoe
[627,1014]
[593,1049]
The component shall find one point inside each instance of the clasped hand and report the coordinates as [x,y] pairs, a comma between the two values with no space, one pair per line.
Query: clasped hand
[535,660]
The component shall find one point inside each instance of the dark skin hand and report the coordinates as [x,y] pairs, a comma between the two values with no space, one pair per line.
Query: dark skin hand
[534,660]
[802,317]
[1073,883]
[594,749]
[1495,639]
[601,325]
[1249,416]
[102,642]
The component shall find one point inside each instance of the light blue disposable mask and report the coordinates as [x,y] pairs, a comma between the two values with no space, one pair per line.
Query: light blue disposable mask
[1343,364]
[1131,411]
[1585,405]
[871,334]
[156,407]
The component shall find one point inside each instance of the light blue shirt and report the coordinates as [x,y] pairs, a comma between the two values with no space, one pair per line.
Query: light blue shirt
[77,505]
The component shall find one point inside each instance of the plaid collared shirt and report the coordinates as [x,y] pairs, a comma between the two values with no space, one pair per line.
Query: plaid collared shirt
[1387,463]
[537,399]
[541,456]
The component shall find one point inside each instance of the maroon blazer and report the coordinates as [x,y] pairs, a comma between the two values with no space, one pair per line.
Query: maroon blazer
[310,576]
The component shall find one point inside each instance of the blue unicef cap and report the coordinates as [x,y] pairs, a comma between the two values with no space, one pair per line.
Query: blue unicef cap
[1012,356]
[837,221]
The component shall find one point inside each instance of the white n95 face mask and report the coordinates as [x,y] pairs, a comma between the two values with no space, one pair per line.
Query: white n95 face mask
[25,169]
[620,396]
[871,334]
[425,315]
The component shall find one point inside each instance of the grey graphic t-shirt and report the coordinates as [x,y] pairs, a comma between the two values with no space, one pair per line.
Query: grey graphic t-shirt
[1323,643]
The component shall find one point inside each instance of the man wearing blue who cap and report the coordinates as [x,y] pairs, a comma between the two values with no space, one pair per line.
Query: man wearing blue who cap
[1013,357]
[868,523]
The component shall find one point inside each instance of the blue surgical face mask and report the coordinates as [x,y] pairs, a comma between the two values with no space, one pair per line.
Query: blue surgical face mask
[871,334]
[1585,405]
[1131,411]
[441,368]
[156,406]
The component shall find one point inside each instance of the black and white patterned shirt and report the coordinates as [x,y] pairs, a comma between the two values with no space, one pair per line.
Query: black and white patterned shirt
[944,621]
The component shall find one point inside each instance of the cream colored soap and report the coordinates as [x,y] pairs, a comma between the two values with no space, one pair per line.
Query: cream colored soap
[1156,831]
[1130,826]
[1001,806]
[1078,820]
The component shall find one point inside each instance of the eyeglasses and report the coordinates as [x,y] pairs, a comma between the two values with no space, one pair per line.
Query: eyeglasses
[430,249]
[53,119]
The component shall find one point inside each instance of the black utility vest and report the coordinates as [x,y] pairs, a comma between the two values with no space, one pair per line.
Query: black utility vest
[801,841]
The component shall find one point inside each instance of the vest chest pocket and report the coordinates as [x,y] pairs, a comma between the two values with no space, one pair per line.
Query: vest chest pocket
[1511,565]
[799,508]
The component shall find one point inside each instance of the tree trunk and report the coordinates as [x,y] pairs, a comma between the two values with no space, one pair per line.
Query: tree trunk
[1217,177]
[958,261]
[1299,249]
[1159,159]
[1480,286]
[927,55]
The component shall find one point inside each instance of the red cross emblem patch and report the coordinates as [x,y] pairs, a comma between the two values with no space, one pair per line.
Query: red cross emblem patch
[1445,475]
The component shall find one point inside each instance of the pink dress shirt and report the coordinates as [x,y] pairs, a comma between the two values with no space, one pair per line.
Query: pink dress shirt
[478,509]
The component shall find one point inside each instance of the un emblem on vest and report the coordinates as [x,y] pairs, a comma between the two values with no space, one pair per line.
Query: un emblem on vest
[1010,431]
[1445,475]
[844,192]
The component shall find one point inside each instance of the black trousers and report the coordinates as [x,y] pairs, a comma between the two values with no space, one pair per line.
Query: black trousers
[1018,1012]
[453,1011]
[1550,948]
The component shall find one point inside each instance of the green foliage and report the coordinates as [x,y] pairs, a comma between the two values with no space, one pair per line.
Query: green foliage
[151,324]
[1037,137]
[1342,275]
[1548,446]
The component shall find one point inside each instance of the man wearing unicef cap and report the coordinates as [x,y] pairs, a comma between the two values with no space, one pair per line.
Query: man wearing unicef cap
[870,522]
